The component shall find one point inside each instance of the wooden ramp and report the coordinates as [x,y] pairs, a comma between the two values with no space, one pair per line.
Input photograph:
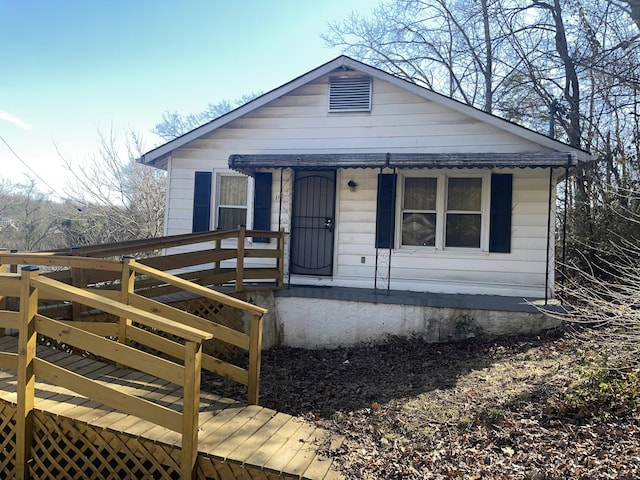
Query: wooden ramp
[79,438]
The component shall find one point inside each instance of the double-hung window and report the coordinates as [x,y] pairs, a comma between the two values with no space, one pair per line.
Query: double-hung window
[442,211]
[232,201]
[463,224]
[445,210]
[419,211]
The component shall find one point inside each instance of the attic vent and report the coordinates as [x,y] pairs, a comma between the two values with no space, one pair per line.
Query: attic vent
[349,94]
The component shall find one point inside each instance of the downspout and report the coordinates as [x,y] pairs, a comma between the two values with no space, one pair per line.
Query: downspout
[546,279]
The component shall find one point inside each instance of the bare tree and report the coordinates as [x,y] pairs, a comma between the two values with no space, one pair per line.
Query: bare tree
[7,198]
[606,293]
[633,9]
[450,46]
[569,67]
[175,124]
[27,218]
[112,196]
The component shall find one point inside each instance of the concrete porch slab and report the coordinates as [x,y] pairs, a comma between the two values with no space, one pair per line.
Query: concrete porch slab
[435,300]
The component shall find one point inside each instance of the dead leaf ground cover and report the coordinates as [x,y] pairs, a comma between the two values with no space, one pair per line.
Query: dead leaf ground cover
[516,407]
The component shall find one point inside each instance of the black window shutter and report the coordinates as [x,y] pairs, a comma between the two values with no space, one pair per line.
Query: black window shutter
[202,201]
[500,214]
[262,204]
[386,210]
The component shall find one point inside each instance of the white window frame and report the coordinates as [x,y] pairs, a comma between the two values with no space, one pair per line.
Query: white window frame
[216,197]
[441,210]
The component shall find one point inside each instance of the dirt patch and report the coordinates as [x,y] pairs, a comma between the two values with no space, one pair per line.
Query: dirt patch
[474,409]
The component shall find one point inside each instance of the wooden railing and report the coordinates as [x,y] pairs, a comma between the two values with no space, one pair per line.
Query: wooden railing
[142,321]
[216,259]
[222,257]
[30,285]
[126,331]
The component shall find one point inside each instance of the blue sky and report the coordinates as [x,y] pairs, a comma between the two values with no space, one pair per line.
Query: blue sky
[73,67]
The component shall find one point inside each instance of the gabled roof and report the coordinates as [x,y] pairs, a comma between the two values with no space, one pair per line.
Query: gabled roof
[158,155]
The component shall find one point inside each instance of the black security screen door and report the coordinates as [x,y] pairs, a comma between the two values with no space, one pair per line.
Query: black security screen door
[312,225]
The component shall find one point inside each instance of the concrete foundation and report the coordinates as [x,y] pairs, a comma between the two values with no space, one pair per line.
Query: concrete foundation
[311,317]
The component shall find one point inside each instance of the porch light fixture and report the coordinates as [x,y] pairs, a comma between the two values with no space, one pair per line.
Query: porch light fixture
[352,185]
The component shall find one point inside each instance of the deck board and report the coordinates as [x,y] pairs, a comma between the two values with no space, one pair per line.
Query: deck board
[262,455]
[249,442]
[303,457]
[290,449]
[258,440]
[320,467]
[240,435]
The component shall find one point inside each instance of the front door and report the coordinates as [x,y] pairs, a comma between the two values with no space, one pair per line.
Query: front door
[312,225]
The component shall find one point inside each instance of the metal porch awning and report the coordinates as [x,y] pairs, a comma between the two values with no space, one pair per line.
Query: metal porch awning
[249,164]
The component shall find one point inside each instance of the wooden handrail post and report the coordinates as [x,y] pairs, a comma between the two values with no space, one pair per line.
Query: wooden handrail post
[127,285]
[255,352]
[280,280]
[191,410]
[26,378]
[240,259]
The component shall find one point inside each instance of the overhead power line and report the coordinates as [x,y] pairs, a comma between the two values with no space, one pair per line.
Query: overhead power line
[51,189]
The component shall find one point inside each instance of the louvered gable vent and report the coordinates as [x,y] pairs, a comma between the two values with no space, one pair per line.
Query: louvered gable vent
[349,94]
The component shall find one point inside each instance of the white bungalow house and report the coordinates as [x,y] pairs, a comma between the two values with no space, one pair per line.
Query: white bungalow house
[408,213]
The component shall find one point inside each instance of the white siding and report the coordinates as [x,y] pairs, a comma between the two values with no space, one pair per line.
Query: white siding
[398,122]
[521,272]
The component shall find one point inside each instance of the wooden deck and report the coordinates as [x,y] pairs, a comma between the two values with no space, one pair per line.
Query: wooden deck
[236,441]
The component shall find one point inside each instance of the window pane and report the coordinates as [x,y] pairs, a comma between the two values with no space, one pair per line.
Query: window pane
[463,230]
[464,194]
[233,190]
[420,193]
[230,218]
[419,229]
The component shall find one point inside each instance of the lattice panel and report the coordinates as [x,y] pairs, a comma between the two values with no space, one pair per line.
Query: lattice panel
[7,438]
[219,313]
[63,448]
[210,468]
